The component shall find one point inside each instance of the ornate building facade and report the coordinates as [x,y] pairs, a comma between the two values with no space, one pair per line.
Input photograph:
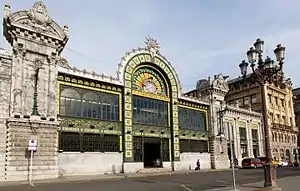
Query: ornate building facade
[229,119]
[296,93]
[86,123]
[281,118]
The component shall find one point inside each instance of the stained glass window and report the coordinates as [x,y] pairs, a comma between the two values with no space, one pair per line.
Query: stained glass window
[192,119]
[147,80]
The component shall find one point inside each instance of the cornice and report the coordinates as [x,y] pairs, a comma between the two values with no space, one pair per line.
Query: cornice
[233,109]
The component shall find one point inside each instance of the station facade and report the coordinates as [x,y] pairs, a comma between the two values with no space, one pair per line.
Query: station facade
[89,123]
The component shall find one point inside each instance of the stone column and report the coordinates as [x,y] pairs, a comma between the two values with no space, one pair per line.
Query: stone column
[237,143]
[18,83]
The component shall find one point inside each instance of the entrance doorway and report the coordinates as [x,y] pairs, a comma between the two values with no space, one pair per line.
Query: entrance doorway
[152,155]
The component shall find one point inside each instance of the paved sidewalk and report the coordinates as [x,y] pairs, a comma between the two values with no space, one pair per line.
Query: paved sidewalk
[286,184]
[84,178]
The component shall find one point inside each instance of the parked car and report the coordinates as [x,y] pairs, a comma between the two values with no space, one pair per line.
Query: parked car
[283,164]
[263,159]
[252,163]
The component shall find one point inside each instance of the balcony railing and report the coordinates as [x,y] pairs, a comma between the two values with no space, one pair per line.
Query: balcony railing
[281,126]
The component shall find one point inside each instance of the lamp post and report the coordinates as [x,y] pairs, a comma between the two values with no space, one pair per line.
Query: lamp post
[265,72]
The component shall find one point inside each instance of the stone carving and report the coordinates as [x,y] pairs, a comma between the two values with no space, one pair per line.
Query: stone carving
[288,82]
[39,17]
[19,50]
[66,30]
[62,62]
[53,59]
[219,82]
[7,11]
[152,45]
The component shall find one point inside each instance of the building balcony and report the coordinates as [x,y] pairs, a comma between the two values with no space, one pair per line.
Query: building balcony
[281,127]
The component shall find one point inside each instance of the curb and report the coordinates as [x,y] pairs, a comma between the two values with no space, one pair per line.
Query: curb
[87,178]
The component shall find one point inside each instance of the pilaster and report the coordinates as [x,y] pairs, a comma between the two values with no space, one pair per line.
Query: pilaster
[236,138]
[249,139]
[18,69]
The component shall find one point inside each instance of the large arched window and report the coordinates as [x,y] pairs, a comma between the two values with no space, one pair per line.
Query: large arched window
[90,105]
[75,102]
[148,108]
[70,103]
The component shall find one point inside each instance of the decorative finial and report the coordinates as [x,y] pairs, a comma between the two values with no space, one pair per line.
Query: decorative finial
[152,45]
[6,11]
[66,30]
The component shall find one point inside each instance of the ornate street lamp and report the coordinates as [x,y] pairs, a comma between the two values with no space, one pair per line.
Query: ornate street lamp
[265,72]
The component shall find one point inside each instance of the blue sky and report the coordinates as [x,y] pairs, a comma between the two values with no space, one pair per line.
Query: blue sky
[199,37]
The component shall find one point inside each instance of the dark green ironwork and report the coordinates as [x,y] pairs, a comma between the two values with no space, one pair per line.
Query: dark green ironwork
[35,94]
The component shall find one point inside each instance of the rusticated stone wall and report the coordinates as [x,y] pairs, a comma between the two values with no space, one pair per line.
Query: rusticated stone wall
[19,131]
[219,154]
[5,85]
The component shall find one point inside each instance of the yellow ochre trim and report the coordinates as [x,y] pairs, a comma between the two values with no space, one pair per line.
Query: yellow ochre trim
[121,143]
[169,115]
[149,95]
[59,83]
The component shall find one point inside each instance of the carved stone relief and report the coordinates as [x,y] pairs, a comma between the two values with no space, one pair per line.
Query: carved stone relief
[39,18]
[220,82]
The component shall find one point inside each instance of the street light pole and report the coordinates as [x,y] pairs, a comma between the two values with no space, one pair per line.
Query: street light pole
[265,72]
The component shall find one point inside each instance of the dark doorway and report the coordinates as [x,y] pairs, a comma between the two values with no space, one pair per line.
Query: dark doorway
[255,151]
[152,154]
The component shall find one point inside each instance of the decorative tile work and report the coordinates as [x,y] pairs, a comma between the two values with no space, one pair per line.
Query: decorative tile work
[137,70]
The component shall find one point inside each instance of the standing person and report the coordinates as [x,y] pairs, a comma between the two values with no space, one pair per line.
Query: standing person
[197,165]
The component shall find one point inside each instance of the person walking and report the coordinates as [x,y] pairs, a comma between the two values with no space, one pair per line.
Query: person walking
[197,165]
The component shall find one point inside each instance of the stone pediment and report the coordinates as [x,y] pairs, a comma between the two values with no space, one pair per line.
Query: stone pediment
[36,20]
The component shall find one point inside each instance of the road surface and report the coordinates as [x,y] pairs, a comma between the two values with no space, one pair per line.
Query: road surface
[194,181]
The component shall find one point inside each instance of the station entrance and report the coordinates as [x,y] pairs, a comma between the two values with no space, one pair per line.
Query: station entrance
[152,151]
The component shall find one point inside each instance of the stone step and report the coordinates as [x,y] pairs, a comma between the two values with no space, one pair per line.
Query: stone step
[153,170]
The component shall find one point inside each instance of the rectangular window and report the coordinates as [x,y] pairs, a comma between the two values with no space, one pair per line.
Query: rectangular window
[191,119]
[243,134]
[282,103]
[283,120]
[270,98]
[196,146]
[253,99]
[88,142]
[246,101]
[278,118]
[150,112]
[254,135]
[240,102]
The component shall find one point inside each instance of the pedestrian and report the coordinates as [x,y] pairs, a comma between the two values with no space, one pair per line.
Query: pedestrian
[197,165]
